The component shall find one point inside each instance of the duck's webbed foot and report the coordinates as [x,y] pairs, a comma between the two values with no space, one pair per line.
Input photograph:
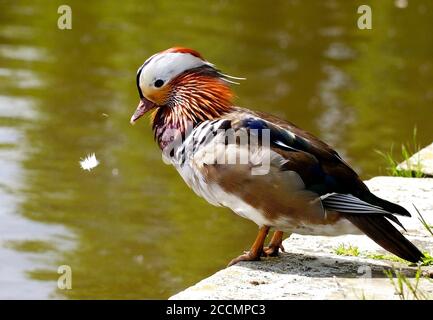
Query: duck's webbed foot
[276,244]
[256,250]
[248,256]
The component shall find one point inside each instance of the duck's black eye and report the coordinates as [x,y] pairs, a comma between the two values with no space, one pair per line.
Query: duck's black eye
[158,83]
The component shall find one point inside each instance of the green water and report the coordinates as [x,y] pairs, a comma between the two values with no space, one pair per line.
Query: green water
[131,228]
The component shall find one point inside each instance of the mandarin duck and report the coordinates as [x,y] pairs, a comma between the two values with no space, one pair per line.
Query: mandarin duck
[263,168]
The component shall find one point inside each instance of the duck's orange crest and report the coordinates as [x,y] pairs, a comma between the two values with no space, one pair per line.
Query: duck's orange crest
[184,50]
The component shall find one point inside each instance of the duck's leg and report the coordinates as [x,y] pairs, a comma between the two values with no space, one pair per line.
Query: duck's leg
[256,250]
[275,245]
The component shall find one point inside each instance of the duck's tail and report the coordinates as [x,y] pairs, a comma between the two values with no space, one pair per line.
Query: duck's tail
[373,218]
[381,231]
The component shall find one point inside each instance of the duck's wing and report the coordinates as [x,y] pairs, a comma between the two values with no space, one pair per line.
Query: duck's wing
[321,168]
[331,174]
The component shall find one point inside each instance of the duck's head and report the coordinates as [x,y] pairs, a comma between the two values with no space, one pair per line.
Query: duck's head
[181,86]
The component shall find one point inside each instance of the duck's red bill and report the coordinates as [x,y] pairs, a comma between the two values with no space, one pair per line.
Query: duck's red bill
[143,107]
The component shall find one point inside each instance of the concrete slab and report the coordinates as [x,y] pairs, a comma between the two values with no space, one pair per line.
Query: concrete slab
[310,268]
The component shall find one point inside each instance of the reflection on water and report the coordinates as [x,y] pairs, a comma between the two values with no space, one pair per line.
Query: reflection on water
[131,228]
[21,239]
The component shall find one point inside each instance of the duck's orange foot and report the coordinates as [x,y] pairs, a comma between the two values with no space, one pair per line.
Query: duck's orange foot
[248,256]
[273,250]
[256,249]
[274,246]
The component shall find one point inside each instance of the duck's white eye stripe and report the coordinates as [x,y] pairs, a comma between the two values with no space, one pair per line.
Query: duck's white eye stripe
[166,66]
[145,63]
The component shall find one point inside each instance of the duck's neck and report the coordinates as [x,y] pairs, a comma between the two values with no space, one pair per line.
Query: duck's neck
[195,97]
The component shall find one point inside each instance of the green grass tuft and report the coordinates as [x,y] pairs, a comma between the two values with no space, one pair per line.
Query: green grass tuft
[407,150]
[423,221]
[389,257]
[342,250]
[353,251]
[405,288]
[427,260]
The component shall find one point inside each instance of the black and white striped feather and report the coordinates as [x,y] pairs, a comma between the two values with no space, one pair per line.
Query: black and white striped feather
[349,204]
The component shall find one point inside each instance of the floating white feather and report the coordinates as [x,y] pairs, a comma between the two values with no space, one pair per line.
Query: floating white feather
[89,162]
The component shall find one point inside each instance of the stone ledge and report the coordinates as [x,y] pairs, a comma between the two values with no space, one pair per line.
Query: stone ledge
[423,158]
[311,270]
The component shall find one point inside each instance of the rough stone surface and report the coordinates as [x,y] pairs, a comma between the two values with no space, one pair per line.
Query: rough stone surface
[310,268]
[423,158]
